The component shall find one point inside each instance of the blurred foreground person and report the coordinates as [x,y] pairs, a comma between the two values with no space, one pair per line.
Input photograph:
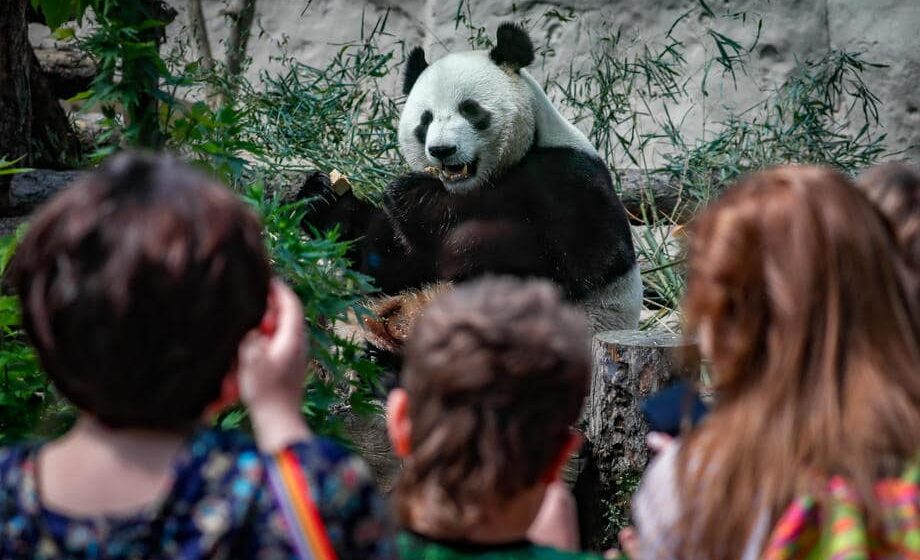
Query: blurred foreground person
[894,188]
[495,373]
[812,447]
[147,293]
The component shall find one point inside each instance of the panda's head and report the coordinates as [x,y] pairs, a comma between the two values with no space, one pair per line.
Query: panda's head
[469,115]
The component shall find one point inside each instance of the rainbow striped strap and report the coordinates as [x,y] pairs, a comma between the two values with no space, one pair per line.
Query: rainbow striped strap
[289,484]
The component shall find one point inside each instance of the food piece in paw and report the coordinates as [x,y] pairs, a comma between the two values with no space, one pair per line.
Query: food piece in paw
[392,319]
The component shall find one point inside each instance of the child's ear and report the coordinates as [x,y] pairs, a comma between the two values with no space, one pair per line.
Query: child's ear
[398,425]
[572,445]
[229,396]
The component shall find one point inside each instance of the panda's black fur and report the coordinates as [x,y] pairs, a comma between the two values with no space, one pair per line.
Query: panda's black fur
[554,214]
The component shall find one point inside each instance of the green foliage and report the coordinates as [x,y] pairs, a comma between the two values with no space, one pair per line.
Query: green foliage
[808,119]
[316,268]
[228,141]
[477,35]
[334,117]
[130,73]
[6,167]
[214,139]
[28,405]
[618,514]
[306,117]
[59,12]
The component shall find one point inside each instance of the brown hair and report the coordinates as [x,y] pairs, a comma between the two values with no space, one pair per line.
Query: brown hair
[138,283]
[814,353]
[894,188]
[496,373]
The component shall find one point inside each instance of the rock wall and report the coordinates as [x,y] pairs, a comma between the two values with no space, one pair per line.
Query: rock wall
[885,30]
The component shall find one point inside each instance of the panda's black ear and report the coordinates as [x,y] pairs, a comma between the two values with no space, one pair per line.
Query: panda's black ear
[512,47]
[415,65]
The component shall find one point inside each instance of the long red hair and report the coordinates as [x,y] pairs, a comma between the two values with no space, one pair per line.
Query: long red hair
[793,278]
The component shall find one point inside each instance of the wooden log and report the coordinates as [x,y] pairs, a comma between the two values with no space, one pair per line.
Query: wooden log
[32,188]
[68,69]
[650,197]
[368,435]
[628,367]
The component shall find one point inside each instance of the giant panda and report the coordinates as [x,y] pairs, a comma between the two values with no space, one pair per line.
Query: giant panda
[501,183]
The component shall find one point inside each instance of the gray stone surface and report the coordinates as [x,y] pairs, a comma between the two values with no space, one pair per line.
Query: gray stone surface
[890,31]
[886,30]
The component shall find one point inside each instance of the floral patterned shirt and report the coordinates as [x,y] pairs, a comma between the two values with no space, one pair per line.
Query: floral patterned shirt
[219,506]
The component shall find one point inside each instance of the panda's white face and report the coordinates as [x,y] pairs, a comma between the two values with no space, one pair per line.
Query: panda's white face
[468,118]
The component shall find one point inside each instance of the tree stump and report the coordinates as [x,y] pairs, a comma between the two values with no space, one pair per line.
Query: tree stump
[628,367]
[368,435]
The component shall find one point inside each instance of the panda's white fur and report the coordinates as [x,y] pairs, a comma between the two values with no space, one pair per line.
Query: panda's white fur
[522,116]
[441,88]
[521,113]
[618,305]
[552,129]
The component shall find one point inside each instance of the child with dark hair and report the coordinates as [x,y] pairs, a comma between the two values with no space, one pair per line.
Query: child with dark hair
[495,373]
[147,293]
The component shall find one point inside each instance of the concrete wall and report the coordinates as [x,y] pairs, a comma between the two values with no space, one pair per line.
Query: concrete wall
[888,31]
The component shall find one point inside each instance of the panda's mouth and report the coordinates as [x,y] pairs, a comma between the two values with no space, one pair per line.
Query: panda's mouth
[454,172]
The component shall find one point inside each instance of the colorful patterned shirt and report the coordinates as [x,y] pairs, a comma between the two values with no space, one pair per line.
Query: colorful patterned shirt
[836,528]
[412,546]
[219,506]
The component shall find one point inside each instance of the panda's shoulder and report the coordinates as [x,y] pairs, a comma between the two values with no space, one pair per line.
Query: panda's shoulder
[565,167]
[562,157]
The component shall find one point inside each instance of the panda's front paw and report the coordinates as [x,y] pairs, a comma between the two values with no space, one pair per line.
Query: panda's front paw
[385,330]
[332,203]
[419,204]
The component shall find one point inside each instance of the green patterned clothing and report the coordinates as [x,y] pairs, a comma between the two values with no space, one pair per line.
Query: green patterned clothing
[412,546]
[838,530]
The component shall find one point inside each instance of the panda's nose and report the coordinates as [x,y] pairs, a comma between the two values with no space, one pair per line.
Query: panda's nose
[442,152]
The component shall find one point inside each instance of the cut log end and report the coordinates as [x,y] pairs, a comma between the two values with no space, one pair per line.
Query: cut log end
[629,366]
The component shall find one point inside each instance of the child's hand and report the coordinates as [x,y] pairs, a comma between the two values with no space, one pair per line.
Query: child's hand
[658,441]
[272,370]
[629,541]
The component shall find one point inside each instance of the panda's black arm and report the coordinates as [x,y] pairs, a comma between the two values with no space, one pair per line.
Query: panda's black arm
[555,216]
[377,250]
[463,236]
[420,210]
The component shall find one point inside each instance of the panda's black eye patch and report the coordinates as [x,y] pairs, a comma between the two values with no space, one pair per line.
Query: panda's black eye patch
[422,129]
[473,112]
